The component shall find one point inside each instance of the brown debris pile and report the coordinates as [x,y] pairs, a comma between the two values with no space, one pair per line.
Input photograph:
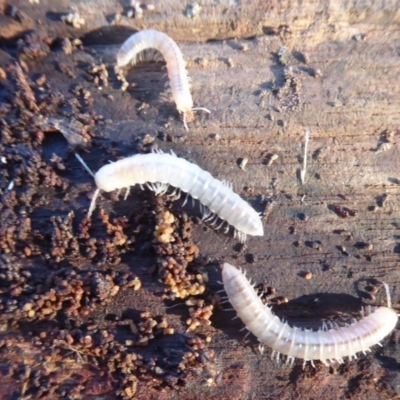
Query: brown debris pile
[33,46]
[113,355]
[36,111]
[24,296]
[106,250]
[200,313]
[98,74]
[32,290]
[60,271]
[290,93]
[62,239]
[147,329]
[24,93]
[176,252]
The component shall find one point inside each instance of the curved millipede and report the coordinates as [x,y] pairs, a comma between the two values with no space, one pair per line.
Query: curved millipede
[177,74]
[160,170]
[325,345]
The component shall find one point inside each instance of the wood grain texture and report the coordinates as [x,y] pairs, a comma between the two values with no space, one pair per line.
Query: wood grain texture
[340,82]
[107,20]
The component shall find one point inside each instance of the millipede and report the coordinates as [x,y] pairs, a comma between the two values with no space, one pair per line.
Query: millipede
[176,67]
[326,344]
[160,170]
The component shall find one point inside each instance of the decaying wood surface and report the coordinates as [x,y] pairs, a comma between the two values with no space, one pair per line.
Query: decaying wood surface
[268,74]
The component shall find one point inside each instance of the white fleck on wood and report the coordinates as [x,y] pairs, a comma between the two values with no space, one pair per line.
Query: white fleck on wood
[162,170]
[176,67]
[324,345]
[304,170]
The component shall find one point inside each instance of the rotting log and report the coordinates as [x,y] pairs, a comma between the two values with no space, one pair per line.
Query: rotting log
[268,75]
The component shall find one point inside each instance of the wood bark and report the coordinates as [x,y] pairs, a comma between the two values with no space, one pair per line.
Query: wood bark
[269,72]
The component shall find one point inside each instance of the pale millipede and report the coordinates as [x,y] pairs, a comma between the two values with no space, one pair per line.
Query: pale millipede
[177,74]
[325,345]
[160,170]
